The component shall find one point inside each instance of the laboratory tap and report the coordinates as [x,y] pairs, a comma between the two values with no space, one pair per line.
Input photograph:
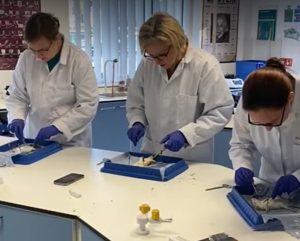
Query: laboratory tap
[113,61]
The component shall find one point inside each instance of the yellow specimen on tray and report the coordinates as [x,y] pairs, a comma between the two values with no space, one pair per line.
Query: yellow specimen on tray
[145,161]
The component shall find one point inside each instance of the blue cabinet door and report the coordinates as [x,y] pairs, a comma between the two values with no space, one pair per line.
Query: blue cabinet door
[221,148]
[88,235]
[19,224]
[110,127]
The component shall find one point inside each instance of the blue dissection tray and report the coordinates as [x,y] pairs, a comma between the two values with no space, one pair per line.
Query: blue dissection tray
[47,148]
[166,168]
[250,215]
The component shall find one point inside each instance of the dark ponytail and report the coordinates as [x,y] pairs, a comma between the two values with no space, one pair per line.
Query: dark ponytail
[275,63]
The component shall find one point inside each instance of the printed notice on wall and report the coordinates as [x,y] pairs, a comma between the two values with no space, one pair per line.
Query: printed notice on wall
[291,28]
[266,29]
[291,35]
[220,22]
[13,16]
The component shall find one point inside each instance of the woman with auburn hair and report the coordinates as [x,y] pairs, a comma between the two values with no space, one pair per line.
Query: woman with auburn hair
[178,96]
[268,121]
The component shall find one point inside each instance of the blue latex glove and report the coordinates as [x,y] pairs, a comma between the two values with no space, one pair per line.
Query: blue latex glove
[285,184]
[17,127]
[174,141]
[136,132]
[244,181]
[45,133]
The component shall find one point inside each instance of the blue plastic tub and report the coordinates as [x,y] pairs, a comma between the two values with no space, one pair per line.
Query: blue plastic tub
[250,215]
[245,67]
[48,148]
[178,166]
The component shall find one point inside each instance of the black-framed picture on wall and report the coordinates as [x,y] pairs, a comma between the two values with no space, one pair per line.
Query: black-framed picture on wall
[219,28]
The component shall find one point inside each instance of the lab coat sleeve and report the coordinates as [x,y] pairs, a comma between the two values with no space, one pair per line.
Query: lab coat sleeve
[84,110]
[242,148]
[135,99]
[17,103]
[297,174]
[216,99]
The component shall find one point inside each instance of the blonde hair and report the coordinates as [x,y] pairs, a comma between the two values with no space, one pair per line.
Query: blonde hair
[164,28]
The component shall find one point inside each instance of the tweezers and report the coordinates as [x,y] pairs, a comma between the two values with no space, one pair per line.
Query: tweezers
[159,153]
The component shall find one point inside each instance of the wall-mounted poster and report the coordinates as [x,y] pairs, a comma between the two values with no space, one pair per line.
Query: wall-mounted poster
[13,16]
[220,22]
[297,14]
[288,14]
[291,30]
[291,35]
[266,29]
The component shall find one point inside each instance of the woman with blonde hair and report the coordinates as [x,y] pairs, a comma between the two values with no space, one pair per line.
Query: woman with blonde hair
[178,97]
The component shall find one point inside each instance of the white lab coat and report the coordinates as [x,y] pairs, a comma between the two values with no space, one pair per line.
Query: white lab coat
[66,97]
[280,147]
[195,100]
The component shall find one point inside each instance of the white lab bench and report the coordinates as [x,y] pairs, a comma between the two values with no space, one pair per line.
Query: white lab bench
[2,105]
[32,207]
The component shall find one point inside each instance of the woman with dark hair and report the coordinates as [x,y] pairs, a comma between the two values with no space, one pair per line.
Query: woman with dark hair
[268,121]
[54,87]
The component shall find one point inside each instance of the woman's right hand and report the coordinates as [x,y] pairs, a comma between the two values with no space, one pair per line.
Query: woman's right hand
[17,127]
[244,180]
[136,132]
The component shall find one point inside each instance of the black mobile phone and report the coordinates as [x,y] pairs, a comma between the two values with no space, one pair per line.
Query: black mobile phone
[68,179]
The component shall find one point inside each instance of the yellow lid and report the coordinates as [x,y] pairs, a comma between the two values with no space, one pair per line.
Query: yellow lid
[144,208]
[155,214]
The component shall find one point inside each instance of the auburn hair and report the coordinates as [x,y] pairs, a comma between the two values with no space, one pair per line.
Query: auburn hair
[268,87]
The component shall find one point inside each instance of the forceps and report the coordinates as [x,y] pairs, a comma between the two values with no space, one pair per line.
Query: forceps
[158,153]
[223,186]
[130,150]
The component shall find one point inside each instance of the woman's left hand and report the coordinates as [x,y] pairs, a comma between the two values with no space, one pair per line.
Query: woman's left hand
[285,184]
[45,133]
[174,141]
